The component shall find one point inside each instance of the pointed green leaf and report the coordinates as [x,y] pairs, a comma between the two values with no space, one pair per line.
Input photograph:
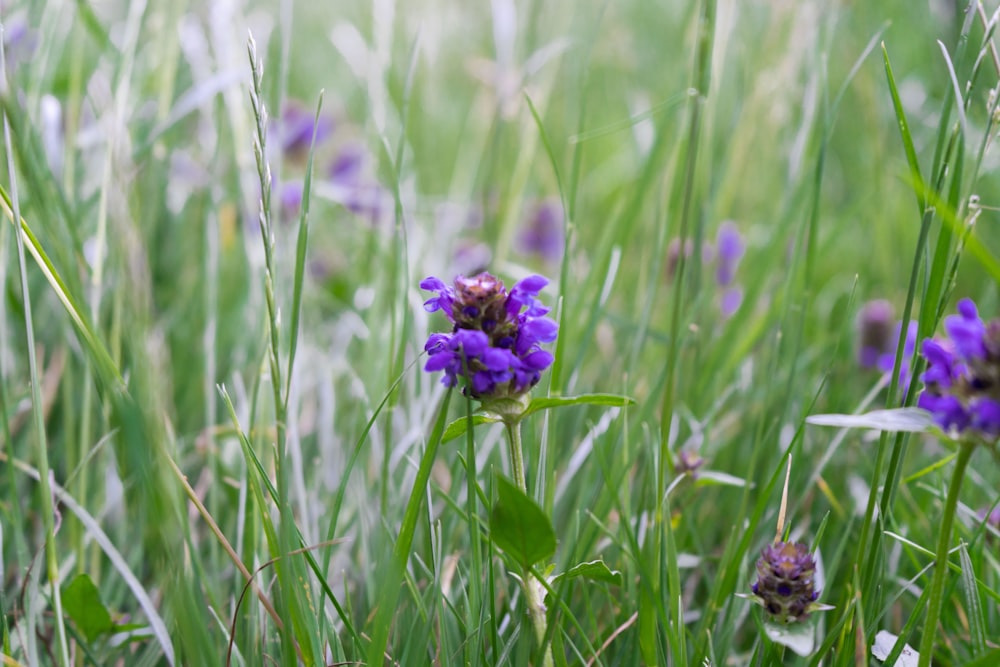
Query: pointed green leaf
[594,570]
[912,420]
[716,478]
[82,602]
[607,400]
[520,527]
[457,428]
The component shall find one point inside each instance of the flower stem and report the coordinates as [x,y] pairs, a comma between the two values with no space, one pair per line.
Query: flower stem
[936,593]
[534,592]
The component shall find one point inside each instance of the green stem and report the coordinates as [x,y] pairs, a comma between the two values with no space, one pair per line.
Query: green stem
[534,593]
[936,593]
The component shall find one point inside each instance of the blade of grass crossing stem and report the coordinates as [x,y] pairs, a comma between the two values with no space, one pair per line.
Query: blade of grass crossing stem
[300,257]
[389,594]
[38,418]
[290,573]
[399,270]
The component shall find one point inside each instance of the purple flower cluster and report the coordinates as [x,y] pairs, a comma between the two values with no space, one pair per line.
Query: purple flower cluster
[542,233]
[962,380]
[496,338]
[785,584]
[342,179]
[726,253]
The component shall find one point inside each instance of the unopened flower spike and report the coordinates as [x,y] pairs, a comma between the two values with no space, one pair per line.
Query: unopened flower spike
[495,342]
[786,585]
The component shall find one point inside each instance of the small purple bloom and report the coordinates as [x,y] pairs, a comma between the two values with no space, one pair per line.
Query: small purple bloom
[296,128]
[730,248]
[542,233]
[496,336]
[887,360]
[962,380]
[874,332]
[732,299]
[348,165]
[785,584]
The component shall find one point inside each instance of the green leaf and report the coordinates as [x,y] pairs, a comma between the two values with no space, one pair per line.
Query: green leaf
[912,420]
[520,527]
[607,400]
[716,478]
[457,428]
[82,601]
[594,570]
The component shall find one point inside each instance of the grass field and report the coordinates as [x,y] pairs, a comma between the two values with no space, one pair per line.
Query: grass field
[220,445]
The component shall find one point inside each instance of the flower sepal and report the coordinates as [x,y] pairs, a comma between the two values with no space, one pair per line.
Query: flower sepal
[508,409]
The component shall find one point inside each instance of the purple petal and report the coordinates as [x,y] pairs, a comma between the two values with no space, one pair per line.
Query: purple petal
[947,410]
[542,330]
[471,342]
[986,416]
[538,360]
[967,331]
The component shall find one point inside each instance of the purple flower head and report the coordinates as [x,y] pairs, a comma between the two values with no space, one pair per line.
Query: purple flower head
[785,584]
[296,127]
[962,380]
[874,332]
[730,248]
[887,360]
[348,165]
[495,342]
[542,233]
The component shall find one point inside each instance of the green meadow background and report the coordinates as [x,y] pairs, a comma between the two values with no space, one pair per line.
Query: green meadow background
[189,404]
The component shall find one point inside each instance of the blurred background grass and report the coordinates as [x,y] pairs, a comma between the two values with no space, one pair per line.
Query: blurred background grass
[132,136]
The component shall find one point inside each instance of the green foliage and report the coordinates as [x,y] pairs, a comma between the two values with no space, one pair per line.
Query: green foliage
[193,397]
[519,526]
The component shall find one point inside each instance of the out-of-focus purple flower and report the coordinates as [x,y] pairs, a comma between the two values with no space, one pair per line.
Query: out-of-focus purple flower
[730,248]
[295,130]
[887,360]
[991,517]
[495,343]
[290,196]
[542,232]
[785,584]
[874,331]
[348,165]
[725,254]
[962,380]
[688,462]
[732,299]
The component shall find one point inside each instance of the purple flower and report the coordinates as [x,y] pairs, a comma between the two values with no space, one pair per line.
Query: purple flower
[729,246]
[296,127]
[542,233]
[962,380]
[495,342]
[874,332]
[726,255]
[887,360]
[785,584]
